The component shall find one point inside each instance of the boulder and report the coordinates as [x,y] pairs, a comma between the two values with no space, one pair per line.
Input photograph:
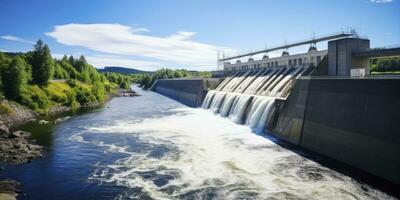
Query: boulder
[9,189]
[4,130]
[22,134]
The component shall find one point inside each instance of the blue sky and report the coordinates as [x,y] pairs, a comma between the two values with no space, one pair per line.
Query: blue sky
[150,34]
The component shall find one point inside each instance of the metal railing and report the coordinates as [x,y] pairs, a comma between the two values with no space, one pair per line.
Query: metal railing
[336,35]
[386,76]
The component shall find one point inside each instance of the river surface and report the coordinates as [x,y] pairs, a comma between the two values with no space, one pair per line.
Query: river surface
[151,147]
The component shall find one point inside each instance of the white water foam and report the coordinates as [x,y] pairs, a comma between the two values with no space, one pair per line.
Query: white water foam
[213,157]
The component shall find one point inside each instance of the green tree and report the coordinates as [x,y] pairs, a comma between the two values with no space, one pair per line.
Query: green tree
[177,74]
[42,64]
[146,81]
[80,64]
[14,78]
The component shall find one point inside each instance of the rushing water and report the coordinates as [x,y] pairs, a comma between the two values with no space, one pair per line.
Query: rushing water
[151,147]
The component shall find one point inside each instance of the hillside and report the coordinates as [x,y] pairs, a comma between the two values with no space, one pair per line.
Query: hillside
[123,70]
[43,84]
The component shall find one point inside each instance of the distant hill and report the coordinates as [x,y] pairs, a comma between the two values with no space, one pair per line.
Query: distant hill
[123,70]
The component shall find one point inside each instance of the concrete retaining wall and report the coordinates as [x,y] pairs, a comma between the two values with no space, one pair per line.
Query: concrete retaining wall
[291,114]
[190,92]
[355,121]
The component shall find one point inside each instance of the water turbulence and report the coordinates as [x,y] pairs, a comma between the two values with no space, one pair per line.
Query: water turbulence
[196,154]
[248,97]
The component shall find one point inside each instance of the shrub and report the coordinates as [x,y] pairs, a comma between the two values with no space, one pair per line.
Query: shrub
[35,98]
[84,96]
[5,108]
[72,83]
[71,99]
[57,91]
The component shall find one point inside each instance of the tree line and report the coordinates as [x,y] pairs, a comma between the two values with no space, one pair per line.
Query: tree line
[388,64]
[38,81]
[146,80]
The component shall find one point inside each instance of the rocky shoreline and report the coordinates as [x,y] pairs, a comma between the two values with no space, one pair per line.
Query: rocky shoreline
[9,189]
[15,148]
[16,115]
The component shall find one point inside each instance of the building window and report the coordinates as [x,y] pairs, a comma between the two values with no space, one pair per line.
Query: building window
[300,61]
[290,62]
[294,61]
[318,59]
[268,65]
[276,63]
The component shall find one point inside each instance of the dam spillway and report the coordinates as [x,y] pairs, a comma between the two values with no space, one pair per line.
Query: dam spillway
[318,106]
[248,97]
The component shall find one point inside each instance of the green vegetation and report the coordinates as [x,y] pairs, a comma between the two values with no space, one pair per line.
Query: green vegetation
[5,108]
[146,80]
[123,81]
[36,80]
[387,73]
[388,65]
[42,64]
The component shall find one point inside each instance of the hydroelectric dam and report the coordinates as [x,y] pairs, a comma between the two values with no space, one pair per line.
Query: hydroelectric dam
[323,101]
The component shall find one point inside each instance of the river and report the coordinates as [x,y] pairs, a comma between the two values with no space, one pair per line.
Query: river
[151,147]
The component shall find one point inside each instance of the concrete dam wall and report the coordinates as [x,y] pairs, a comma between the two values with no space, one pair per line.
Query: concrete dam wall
[190,92]
[354,121]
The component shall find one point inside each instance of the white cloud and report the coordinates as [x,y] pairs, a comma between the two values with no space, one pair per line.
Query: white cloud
[16,39]
[100,61]
[124,40]
[381,1]
[182,35]
[139,30]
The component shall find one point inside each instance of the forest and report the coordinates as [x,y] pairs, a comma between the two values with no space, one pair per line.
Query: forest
[38,81]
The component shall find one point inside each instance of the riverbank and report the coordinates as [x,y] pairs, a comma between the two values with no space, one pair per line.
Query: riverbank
[16,147]
[13,114]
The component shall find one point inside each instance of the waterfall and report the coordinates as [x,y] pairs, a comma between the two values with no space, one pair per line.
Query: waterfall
[239,108]
[249,97]
[260,112]
[226,106]
[217,101]
[208,99]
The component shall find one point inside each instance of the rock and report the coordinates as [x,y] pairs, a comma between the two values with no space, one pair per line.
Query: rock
[43,121]
[20,114]
[5,146]
[17,149]
[9,189]
[22,134]
[4,130]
